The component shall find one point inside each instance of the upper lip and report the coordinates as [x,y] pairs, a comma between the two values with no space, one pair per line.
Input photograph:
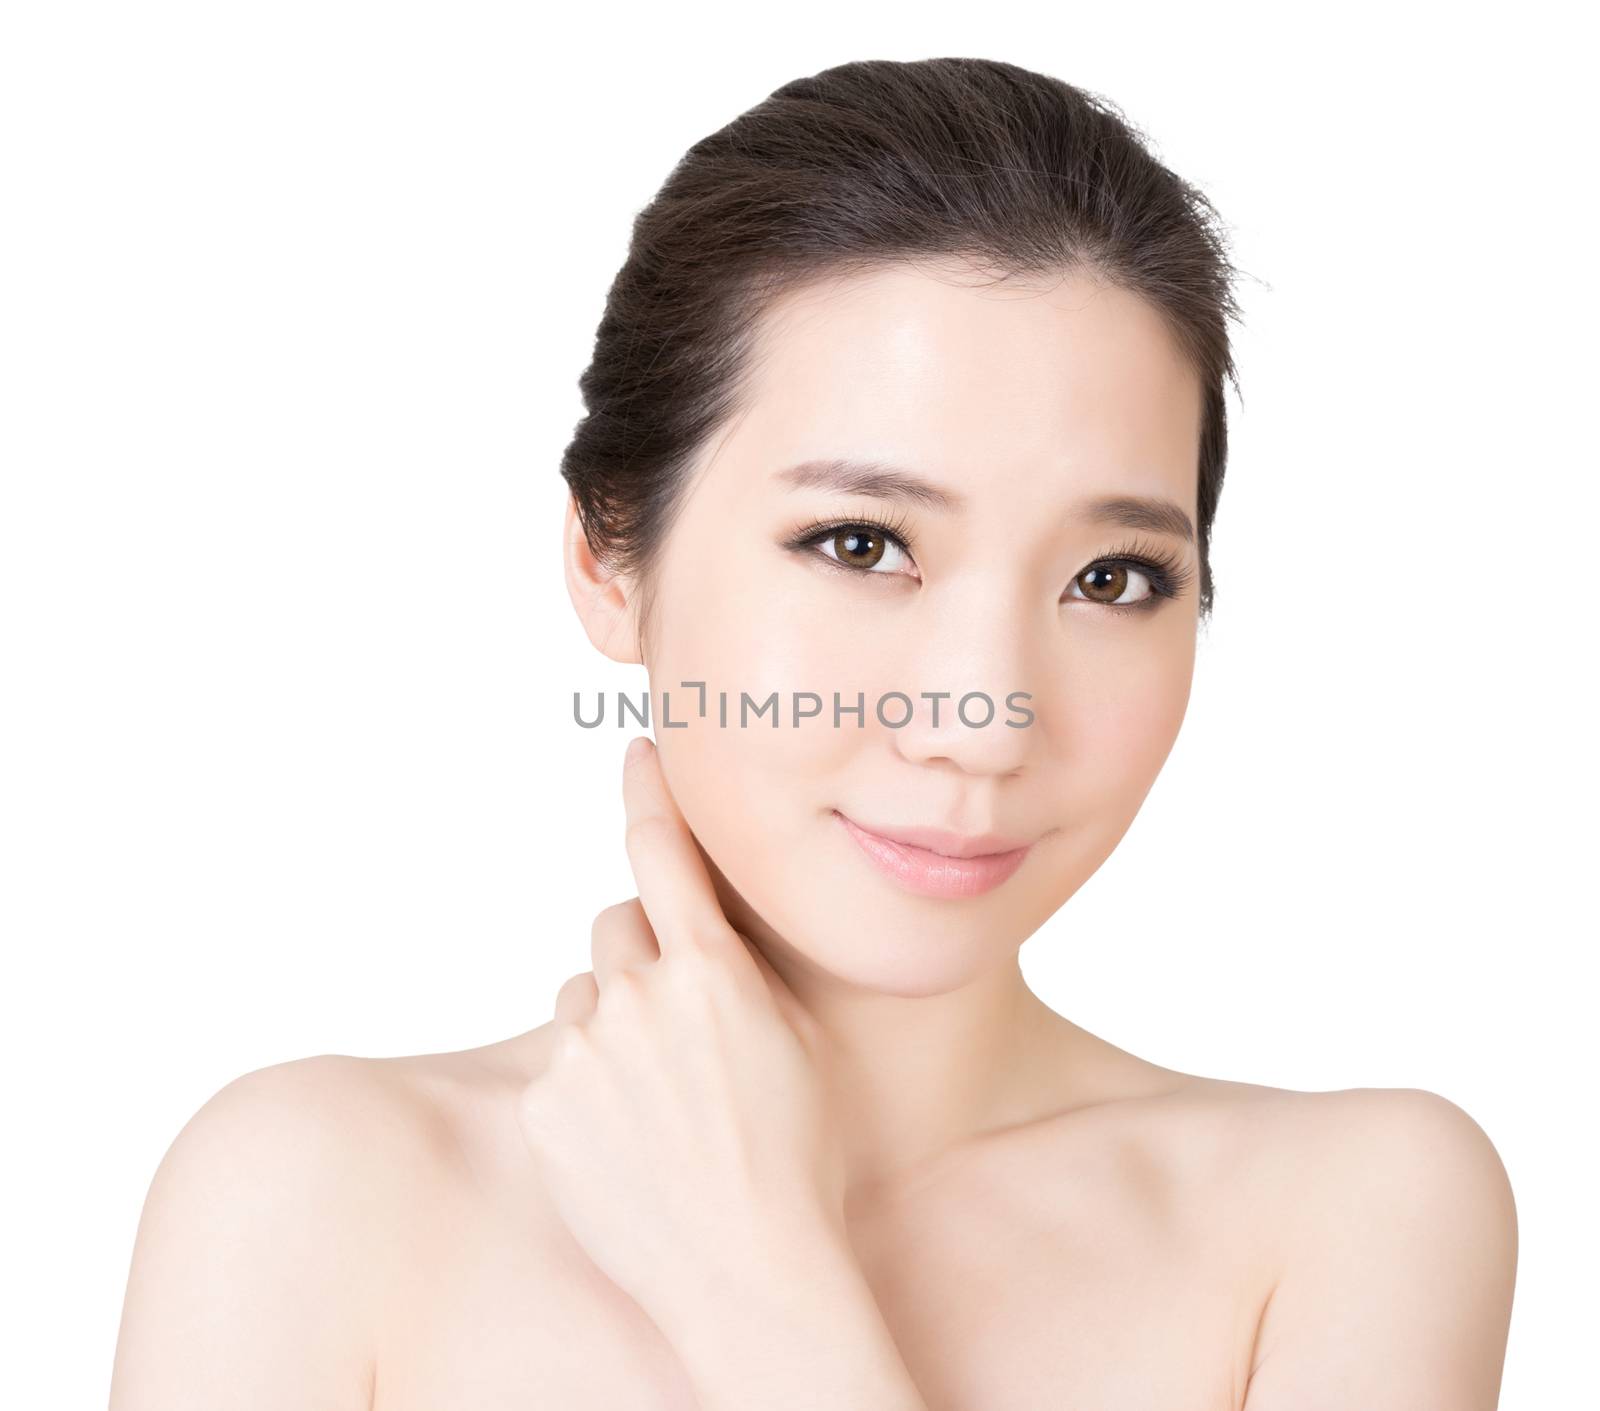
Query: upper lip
[943,841]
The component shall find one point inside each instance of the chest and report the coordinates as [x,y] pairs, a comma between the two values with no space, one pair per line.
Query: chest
[994,1303]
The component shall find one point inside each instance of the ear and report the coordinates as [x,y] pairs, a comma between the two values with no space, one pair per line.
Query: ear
[604,600]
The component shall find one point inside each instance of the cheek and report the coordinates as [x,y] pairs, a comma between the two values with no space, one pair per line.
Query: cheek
[739,623]
[755,632]
[745,631]
[1124,731]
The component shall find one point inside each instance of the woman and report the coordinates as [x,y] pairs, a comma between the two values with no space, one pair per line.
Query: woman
[908,398]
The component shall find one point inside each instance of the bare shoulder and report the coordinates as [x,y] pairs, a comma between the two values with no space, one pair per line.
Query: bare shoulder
[1383,1135]
[1395,1236]
[1406,1134]
[1325,1159]
[321,1095]
[267,1236]
[320,1131]
[1374,1153]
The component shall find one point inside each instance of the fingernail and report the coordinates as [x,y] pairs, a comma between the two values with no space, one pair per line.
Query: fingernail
[636,748]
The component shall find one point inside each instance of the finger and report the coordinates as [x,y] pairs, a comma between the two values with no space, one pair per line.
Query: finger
[576,999]
[674,887]
[621,939]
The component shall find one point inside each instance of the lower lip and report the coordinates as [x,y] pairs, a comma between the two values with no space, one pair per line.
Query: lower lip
[932,874]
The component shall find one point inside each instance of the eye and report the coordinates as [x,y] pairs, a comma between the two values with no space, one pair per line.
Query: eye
[1132,578]
[1115,584]
[860,546]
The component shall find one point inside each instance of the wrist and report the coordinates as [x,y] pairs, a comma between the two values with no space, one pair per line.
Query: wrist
[785,1264]
[798,1327]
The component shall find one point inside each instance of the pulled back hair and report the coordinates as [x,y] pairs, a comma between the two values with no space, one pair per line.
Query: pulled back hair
[854,167]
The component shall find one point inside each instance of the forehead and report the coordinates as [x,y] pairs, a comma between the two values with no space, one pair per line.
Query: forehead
[940,367]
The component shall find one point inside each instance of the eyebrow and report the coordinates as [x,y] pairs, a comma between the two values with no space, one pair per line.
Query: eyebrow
[881,482]
[1153,513]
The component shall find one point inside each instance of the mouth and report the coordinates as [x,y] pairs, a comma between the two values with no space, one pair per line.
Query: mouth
[936,874]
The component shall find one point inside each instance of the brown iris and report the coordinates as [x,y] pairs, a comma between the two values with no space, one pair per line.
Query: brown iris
[1104,583]
[860,548]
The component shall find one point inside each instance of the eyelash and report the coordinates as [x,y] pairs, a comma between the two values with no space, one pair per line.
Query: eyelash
[1168,575]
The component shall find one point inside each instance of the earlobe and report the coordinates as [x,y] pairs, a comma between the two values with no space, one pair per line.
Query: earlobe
[603,599]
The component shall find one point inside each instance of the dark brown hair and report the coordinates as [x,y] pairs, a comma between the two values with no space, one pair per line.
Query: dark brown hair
[856,166]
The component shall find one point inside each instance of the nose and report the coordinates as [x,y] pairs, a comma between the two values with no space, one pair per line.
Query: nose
[974,707]
[994,742]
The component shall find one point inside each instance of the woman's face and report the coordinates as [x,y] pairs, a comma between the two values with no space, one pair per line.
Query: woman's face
[1023,408]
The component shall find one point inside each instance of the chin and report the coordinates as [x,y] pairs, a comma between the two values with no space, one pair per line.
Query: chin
[890,960]
[864,932]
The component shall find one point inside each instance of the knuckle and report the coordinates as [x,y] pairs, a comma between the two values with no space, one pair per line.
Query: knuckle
[571,1043]
[623,936]
[576,995]
[575,984]
[617,916]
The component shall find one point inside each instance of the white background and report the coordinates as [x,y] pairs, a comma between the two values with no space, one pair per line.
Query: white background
[295,299]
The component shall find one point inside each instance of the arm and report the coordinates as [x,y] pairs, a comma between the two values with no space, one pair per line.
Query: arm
[248,1286]
[804,1331]
[1397,1288]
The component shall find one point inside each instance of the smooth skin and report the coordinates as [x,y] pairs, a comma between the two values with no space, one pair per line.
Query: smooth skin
[918,1185]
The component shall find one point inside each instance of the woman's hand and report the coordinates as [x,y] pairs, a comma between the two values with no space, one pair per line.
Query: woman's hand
[680,1122]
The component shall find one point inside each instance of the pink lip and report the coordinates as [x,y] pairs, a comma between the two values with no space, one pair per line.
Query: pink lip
[936,874]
